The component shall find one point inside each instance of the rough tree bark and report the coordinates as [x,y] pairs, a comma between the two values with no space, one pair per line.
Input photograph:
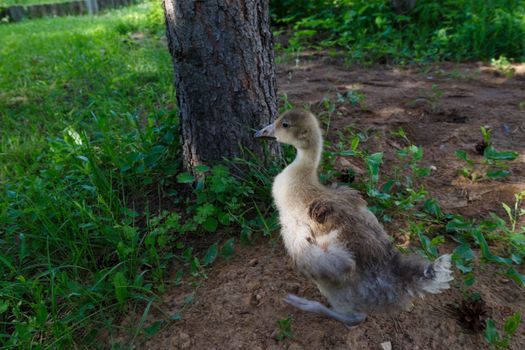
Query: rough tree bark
[224,75]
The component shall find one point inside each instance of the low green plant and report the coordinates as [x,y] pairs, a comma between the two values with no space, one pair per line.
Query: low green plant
[285,328]
[495,164]
[430,98]
[503,66]
[501,341]
[354,97]
[371,31]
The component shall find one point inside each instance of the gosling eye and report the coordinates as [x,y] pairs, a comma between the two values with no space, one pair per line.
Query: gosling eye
[285,125]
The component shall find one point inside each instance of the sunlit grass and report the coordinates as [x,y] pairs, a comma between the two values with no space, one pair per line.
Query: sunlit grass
[78,95]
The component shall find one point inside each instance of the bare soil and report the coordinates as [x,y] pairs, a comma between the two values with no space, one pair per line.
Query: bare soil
[440,107]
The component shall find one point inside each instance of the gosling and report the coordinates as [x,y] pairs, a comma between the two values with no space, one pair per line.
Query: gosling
[336,242]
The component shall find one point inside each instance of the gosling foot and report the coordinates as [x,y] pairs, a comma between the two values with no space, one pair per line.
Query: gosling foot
[349,320]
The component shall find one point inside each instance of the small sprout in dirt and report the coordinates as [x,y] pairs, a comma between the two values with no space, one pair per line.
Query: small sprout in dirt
[483,144]
[430,99]
[285,328]
[328,105]
[401,133]
[473,313]
[493,337]
[354,97]
[495,164]
[503,66]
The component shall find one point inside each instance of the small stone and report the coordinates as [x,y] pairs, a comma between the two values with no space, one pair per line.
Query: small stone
[253,262]
[386,345]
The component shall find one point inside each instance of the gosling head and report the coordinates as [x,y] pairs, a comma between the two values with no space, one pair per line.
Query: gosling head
[296,127]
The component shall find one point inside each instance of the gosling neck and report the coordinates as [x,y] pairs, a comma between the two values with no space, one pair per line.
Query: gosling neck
[307,161]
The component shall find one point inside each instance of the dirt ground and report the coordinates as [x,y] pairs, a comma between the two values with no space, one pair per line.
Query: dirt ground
[441,108]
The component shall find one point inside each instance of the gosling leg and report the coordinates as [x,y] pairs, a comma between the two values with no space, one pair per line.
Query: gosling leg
[316,307]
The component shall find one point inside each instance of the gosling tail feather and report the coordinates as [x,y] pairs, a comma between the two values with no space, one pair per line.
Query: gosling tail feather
[437,276]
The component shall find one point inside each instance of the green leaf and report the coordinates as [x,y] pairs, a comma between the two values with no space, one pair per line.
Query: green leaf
[348,153]
[373,162]
[178,277]
[153,329]
[227,249]
[7,263]
[211,255]
[206,210]
[512,324]
[491,333]
[201,168]
[4,305]
[431,206]
[486,135]
[517,259]
[120,283]
[437,241]
[195,266]
[285,328]
[517,238]
[210,224]
[492,154]
[469,279]
[485,251]
[461,154]
[515,276]
[355,143]
[421,171]
[497,174]
[427,246]
[41,313]
[220,171]
[508,211]
[458,225]
[463,251]
[185,178]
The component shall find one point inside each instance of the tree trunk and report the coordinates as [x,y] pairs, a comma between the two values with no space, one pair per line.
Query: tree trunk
[224,75]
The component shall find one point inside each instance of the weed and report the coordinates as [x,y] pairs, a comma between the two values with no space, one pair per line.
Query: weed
[354,97]
[494,165]
[430,98]
[493,337]
[285,104]
[285,328]
[503,66]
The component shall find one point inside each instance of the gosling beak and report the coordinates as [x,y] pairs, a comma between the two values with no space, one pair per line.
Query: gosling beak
[266,133]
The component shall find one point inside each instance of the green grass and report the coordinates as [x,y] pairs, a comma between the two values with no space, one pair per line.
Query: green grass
[94,207]
[88,126]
